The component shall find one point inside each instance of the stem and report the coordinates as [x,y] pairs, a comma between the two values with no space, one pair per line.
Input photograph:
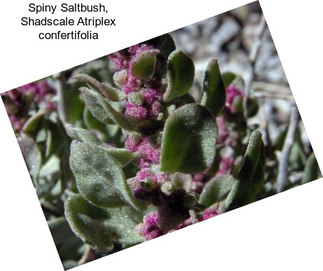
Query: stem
[52,208]
[284,157]
[273,95]
[61,93]
[253,55]
[86,254]
[271,89]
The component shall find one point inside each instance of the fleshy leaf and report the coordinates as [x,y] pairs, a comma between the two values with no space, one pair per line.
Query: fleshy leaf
[168,46]
[70,106]
[106,90]
[100,228]
[164,43]
[82,134]
[32,156]
[121,155]
[103,111]
[143,67]
[99,178]
[188,143]
[251,172]
[66,242]
[312,170]
[92,100]
[216,190]
[180,74]
[93,123]
[213,88]
[33,123]
[228,78]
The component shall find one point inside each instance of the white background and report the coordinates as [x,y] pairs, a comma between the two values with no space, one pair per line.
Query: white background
[283,232]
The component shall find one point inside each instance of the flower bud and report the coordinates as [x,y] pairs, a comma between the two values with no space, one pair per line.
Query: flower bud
[120,77]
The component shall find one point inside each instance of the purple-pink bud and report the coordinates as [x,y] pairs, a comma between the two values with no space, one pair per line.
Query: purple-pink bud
[232,92]
[210,212]
[225,165]
[137,111]
[150,228]
[224,132]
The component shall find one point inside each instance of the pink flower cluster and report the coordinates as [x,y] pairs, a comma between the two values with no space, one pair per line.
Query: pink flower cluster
[206,214]
[19,101]
[123,58]
[226,164]
[143,102]
[150,228]
[232,92]
[224,132]
[148,95]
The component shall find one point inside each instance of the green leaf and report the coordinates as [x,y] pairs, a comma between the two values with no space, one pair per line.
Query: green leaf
[32,156]
[180,74]
[164,43]
[214,94]
[143,67]
[312,170]
[82,135]
[99,178]
[297,157]
[68,245]
[33,123]
[105,89]
[103,111]
[228,78]
[188,143]
[100,228]
[168,46]
[251,173]
[251,157]
[252,107]
[70,106]
[216,190]
[93,123]
[122,156]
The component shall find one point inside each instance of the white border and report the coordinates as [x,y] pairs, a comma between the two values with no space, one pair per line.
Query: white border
[283,232]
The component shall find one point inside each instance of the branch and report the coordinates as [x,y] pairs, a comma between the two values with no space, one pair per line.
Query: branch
[61,93]
[284,157]
[86,255]
[253,55]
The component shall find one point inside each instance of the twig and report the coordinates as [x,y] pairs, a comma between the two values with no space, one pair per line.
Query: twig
[273,95]
[52,208]
[253,55]
[266,86]
[86,255]
[284,156]
[61,91]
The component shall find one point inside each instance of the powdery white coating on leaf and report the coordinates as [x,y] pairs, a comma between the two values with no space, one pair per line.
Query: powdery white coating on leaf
[32,155]
[143,65]
[180,74]
[216,190]
[189,139]
[99,177]
[100,227]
